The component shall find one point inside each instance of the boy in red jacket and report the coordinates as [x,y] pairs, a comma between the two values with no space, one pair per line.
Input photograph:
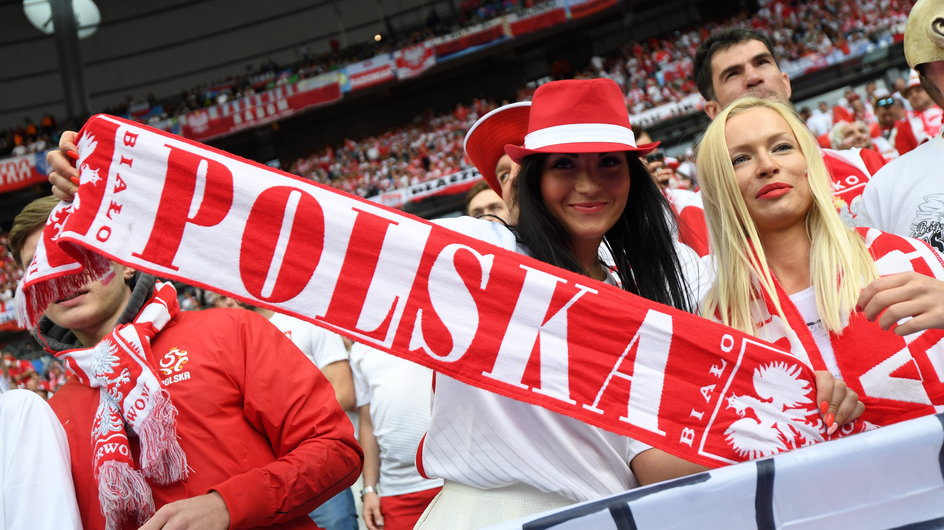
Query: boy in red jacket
[256,435]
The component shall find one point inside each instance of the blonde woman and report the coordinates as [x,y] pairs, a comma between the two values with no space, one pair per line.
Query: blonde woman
[861,304]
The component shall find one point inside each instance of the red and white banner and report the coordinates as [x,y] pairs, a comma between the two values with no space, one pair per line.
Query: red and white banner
[476,312]
[259,109]
[590,7]
[447,185]
[414,60]
[473,36]
[451,184]
[8,318]
[373,71]
[690,104]
[524,24]
[22,171]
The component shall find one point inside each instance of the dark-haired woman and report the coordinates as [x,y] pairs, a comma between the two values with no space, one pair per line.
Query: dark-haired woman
[581,188]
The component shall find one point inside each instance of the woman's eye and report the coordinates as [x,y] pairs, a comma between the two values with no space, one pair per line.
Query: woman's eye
[502,177]
[562,163]
[784,147]
[739,159]
[609,161]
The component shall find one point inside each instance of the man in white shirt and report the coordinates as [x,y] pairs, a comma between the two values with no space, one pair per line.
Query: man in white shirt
[907,196]
[393,398]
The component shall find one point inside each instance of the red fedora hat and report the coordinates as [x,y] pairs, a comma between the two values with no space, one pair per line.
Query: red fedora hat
[485,141]
[578,116]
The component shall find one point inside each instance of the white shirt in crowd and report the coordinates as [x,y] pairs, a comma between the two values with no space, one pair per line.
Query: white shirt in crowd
[398,392]
[906,197]
[318,344]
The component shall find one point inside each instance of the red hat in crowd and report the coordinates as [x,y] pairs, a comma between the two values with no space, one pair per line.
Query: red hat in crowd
[578,116]
[485,142]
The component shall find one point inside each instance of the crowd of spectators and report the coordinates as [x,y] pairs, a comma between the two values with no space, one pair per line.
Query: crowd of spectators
[653,73]
[44,377]
[658,71]
[428,148]
[29,137]
[9,275]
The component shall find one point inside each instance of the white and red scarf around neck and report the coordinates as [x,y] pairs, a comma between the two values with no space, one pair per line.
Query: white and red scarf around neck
[897,378]
[131,395]
[483,315]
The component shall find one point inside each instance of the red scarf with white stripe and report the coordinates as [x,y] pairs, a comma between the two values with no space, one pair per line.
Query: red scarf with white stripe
[474,311]
[133,397]
[897,378]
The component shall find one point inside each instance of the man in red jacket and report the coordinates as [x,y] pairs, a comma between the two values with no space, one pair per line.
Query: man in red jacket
[264,438]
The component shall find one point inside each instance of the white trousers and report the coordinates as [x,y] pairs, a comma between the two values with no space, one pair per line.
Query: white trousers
[459,506]
[34,466]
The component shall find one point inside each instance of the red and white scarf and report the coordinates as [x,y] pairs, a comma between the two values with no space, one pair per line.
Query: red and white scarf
[131,395]
[478,313]
[897,378]
[850,170]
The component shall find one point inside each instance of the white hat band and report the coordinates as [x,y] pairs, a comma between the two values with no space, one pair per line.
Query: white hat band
[577,133]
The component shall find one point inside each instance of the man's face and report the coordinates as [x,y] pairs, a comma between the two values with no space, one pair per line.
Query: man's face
[855,134]
[92,310]
[918,97]
[507,172]
[489,204]
[932,79]
[746,68]
[885,116]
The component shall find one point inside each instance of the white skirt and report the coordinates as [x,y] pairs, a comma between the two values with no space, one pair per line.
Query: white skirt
[459,506]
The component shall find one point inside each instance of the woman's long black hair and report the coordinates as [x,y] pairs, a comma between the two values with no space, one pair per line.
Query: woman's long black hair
[641,241]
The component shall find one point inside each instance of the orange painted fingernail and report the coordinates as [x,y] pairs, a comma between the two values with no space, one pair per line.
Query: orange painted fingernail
[75,180]
[830,419]
[824,407]
[72,154]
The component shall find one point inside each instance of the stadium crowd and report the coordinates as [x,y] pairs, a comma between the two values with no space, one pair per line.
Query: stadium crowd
[640,77]
[653,73]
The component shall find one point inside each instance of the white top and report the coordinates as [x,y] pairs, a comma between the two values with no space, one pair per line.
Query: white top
[399,394]
[805,302]
[489,441]
[318,344]
[906,197]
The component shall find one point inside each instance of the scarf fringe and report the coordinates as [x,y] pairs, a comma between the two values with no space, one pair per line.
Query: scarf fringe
[123,493]
[162,458]
[30,303]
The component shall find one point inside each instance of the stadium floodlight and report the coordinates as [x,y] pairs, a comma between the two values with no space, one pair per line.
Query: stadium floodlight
[87,16]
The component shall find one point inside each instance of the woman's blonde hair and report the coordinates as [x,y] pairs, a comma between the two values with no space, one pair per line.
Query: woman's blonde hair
[840,264]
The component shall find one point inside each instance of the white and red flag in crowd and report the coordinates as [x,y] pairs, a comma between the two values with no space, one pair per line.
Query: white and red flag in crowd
[414,60]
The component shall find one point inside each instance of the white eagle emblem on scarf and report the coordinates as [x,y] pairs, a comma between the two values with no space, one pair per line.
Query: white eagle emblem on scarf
[779,420]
